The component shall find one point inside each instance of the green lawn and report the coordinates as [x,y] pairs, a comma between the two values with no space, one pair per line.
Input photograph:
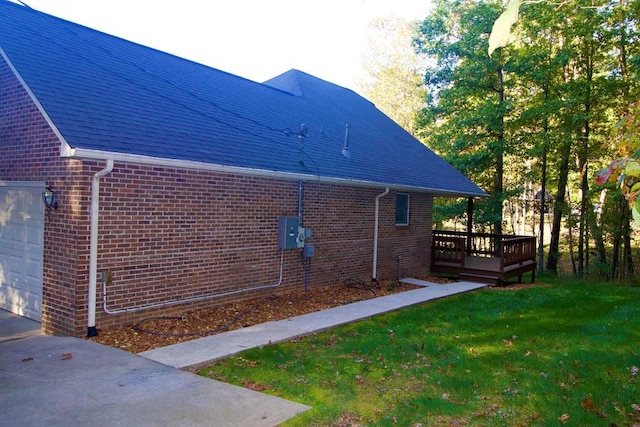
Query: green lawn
[547,355]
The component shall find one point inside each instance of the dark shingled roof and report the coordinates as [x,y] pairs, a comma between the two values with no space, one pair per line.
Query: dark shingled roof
[111,98]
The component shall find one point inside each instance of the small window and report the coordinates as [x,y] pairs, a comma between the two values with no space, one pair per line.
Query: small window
[402,209]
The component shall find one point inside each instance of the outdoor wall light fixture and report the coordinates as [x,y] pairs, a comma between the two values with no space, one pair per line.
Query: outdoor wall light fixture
[50,199]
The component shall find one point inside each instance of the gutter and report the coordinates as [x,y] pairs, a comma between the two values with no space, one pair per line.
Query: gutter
[93,250]
[374,277]
[81,153]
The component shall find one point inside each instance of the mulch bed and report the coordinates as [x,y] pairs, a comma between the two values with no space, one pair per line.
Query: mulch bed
[155,332]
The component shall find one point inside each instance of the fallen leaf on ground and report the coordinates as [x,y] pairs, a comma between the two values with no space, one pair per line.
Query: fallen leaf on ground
[161,331]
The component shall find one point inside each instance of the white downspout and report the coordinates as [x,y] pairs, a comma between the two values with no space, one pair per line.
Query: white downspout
[374,277]
[93,249]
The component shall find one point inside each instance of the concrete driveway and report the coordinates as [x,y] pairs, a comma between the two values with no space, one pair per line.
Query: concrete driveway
[65,381]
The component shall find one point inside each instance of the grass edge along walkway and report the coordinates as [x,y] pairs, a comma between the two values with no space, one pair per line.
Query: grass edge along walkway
[544,355]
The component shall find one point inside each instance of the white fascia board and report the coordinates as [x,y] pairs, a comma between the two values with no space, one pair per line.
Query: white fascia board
[80,153]
[23,184]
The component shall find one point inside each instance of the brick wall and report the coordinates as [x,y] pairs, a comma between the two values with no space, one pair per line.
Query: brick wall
[343,219]
[31,152]
[169,235]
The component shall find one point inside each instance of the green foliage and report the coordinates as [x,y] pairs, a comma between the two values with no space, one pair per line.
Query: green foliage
[463,120]
[610,27]
[625,171]
[445,210]
[527,95]
[537,356]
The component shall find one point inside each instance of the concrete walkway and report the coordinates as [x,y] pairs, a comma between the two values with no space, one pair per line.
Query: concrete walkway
[199,352]
[65,381]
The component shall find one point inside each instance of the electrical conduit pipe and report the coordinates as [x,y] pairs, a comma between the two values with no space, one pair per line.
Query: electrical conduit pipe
[93,267]
[190,299]
[374,277]
[93,249]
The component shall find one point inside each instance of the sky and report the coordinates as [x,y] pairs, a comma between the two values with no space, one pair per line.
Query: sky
[255,39]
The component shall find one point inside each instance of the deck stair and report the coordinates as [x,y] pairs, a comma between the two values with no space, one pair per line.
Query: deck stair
[480,278]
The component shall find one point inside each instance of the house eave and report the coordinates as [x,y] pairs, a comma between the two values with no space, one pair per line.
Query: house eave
[80,153]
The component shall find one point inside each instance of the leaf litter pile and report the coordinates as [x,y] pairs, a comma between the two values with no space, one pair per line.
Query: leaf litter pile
[154,332]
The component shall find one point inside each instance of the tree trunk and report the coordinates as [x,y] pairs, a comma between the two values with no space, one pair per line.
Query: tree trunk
[571,252]
[559,207]
[627,257]
[617,238]
[625,220]
[583,241]
[543,178]
[498,177]
[543,195]
[584,201]
[596,233]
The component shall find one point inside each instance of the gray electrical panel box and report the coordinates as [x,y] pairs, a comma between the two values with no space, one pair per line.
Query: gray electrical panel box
[308,251]
[288,232]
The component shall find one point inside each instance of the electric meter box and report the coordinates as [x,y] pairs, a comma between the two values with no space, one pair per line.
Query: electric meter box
[288,232]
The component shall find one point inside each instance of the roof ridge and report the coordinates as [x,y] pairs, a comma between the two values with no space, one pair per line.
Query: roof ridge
[288,82]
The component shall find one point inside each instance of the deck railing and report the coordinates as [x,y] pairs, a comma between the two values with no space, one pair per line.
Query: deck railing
[448,250]
[453,246]
[516,250]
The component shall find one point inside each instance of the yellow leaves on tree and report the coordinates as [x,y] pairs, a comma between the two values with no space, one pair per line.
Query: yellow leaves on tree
[625,171]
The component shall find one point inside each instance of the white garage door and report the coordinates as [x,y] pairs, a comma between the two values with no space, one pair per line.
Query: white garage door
[21,247]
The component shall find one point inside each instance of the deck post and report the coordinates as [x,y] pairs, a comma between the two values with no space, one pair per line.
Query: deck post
[469,224]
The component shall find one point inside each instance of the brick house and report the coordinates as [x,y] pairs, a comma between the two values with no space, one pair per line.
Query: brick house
[179,186]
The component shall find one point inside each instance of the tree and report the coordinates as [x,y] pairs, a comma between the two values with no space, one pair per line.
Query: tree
[540,66]
[595,41]
[624,172]
[623,31]
[393,80]
[467,103]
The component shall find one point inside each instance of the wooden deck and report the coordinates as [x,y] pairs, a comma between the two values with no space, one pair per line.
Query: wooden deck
[483,257]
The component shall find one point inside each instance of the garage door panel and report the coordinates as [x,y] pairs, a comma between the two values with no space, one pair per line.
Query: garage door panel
[21,247]
[15,267]
[21,302]
[32,270]
[24,273]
